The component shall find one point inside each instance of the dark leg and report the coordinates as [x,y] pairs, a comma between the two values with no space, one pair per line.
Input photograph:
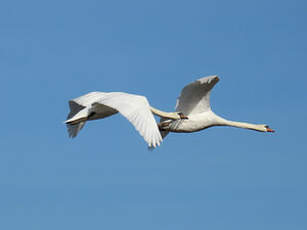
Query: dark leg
[182,116]
[164,125]
[91,115]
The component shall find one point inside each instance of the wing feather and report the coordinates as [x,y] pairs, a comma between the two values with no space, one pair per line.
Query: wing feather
[78,104]
[137,110]
[73,130]
[195,97]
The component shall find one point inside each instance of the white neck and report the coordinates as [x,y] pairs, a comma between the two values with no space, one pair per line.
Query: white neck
[223,122]
[174,115]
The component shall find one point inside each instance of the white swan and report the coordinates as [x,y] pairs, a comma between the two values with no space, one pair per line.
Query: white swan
[193,112]
[194,103]
[135,108]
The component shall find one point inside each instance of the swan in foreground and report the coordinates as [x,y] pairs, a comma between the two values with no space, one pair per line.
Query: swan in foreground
[193,112]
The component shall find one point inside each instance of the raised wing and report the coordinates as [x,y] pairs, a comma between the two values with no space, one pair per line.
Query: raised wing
[136,109]
[195,97]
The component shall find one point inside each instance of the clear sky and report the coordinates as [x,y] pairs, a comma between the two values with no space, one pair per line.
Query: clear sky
[220,178]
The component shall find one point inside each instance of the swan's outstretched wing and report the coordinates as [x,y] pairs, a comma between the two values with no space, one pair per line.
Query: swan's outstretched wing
[137,110]
[134,107]
[195,97]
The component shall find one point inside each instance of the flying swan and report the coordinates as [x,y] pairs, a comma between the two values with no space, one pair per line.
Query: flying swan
[193,112]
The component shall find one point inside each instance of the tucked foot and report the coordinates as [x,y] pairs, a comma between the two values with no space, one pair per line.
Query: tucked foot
[182,116]
[164,125]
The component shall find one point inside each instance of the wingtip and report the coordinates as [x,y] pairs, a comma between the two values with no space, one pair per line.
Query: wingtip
[152,146]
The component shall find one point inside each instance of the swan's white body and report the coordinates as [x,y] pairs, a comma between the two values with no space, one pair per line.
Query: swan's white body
[193,112]
[194,102]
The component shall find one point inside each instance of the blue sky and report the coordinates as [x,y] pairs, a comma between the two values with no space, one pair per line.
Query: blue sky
[220,178]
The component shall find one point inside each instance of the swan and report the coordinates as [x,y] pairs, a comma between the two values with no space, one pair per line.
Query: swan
[194,104]
[193,112]
[136,108]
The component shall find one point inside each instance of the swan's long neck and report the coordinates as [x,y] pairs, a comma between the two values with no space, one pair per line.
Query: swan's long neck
[223,122]
[174,115]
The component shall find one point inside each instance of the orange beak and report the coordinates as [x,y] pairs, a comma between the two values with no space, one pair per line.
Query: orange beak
[270,130]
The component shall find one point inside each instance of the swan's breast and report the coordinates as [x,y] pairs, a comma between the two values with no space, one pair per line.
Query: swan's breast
[195,123]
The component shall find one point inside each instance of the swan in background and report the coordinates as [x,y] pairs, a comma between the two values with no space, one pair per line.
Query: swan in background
[193,112]
[98,105]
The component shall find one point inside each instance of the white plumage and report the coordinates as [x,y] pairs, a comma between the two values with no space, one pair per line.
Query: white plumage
[193,112]
[97,105]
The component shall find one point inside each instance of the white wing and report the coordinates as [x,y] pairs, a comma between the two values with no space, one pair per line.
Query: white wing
[195,97]
[80,104]
[134,107]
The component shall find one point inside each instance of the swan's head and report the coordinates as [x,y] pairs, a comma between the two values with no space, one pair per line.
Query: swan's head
[266,128]
[260,128]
